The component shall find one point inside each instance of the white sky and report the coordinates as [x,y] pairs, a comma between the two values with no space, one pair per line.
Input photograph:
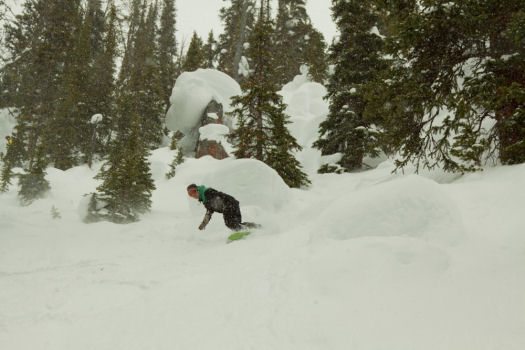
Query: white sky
[203,15]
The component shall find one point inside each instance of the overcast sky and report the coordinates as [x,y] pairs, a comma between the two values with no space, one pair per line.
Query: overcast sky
[203,15]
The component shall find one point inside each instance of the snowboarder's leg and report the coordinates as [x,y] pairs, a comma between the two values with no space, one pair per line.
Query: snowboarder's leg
[232,218]
[246,225]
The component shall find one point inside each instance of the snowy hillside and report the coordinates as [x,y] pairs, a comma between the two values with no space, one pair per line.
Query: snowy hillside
[369,260]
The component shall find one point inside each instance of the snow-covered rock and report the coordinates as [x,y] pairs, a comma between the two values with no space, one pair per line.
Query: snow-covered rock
[192,93]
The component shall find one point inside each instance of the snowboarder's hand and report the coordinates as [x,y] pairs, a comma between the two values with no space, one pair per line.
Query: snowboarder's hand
[202,226]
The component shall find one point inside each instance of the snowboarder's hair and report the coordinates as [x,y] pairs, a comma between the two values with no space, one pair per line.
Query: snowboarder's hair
[191,186]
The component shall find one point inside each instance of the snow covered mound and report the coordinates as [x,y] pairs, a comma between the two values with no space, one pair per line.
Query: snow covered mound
[250,181]
[192,93]
[305,98]
[307,110]
[407,206]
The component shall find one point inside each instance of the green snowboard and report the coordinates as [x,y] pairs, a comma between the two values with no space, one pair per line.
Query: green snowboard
[238,235]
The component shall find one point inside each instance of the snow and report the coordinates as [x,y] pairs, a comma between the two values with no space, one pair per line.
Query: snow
[244,67]
[190,97]
[213,116]
[97,118]
[375,31]
[7,125]
[218,133]
[367,260]
[307,110]
[192,93]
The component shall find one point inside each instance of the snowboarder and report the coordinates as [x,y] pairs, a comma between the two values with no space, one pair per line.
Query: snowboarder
[9,140]
[216,201]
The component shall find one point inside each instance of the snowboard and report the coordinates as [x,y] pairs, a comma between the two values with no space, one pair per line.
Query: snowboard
[237,236]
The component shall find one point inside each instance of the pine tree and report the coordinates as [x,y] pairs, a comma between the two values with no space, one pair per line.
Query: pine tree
[297,43]
[196,56]
[55,214]
[67,129]
[454,94]
[238,19]
[33,184]
[140,93]
[39,42]
[314,56]
[177,160]
[210,51]
[167,50]
[127,182]
[357,63]
[262,132]
[102,89]
[5,176]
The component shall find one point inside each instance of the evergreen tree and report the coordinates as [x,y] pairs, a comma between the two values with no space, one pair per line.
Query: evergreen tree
[177,160]
[127,183]
[102,89]
[297,43]
[167,50]
[33,184]
[455,92]
[140,94]
[5,176]
[238,20]
[357,63]
[39,42]
[314,56]
[196,55]
[210,51]
[262,132]
[67,129]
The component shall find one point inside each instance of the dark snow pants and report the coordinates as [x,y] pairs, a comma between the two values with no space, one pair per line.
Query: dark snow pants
[232,217]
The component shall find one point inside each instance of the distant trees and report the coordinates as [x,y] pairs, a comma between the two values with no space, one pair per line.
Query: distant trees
[297,43]
[167,50]
[61,77]
[238,20]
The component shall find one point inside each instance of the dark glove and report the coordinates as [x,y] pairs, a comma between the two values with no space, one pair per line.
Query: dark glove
[202,226]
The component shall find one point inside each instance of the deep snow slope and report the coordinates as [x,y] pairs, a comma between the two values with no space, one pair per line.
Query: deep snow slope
[364,261]
[371,260]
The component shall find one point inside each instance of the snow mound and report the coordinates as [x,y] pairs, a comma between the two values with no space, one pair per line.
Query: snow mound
[250,181]
[214,132]
[409,206]
[304,98]
[307,109]
[192,93]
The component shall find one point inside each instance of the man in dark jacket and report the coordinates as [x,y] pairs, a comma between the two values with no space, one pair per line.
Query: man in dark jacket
[216,201]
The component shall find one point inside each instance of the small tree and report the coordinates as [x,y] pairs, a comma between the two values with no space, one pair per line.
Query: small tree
[177,160]
[196,55]
[5,177]
[33,185]
[127,182]
[55,214]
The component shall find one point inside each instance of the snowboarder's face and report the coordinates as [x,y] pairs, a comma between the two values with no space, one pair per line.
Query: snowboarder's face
[192,192]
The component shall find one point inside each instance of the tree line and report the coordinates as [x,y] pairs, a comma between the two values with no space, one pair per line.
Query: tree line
[435,83]
[91,80]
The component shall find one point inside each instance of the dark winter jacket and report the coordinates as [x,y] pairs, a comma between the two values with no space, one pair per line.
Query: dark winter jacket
[216,201]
